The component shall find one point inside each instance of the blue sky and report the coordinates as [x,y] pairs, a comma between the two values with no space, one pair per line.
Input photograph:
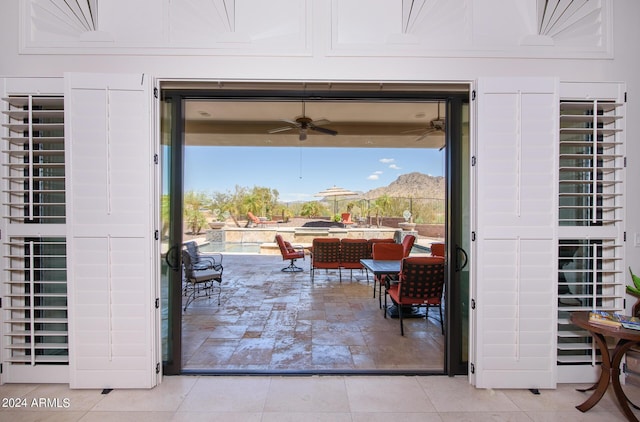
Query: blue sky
[299,173]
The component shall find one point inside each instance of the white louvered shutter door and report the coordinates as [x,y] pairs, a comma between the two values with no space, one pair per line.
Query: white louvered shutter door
[110,208]
[516,179]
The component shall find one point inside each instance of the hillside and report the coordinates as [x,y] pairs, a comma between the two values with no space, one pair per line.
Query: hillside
[411,185]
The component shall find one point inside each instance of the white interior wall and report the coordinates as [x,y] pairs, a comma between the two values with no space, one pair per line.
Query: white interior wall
[317,60]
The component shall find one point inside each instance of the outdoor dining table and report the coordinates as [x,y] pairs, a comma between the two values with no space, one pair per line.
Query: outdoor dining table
[386,268]
[379,267]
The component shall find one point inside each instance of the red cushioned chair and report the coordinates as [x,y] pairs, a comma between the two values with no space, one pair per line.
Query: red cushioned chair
[291,252]
[325,253]
[437,249]
[385,252]
[371,242]
[421,284]
[351,252]
[407,244]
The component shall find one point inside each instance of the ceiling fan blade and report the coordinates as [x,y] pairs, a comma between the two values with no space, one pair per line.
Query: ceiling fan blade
[425,134]
[414,130]
[321,122]
[323,130]
[291,122]
[281,129]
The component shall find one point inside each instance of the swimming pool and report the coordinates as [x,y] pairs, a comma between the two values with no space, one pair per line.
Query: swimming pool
[231,247]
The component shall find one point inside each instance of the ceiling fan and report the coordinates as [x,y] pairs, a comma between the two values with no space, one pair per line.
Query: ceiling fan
[436,126]
[304,124]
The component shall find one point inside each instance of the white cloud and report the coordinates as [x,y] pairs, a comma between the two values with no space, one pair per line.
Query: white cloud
[373,177]
[394,167]
[377,172]
[387,160]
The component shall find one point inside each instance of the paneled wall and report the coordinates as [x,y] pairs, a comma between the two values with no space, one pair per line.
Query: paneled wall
[415,28]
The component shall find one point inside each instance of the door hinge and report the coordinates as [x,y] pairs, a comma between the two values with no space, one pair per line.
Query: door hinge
[473,368]
[473,304]
[157,368]
[0,368]
[155,158]
[473,161]
[625,97]
[157,302]
[155,93]
[156,235]
[625,162]
[473,236]
[473,95]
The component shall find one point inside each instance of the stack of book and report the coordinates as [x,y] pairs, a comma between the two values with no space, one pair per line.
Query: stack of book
[612,319]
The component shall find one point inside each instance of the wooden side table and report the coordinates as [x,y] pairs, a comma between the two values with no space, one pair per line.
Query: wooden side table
[610,366]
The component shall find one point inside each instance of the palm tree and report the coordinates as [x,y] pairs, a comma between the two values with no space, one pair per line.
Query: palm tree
[381,205]
[194,217]
[311,209]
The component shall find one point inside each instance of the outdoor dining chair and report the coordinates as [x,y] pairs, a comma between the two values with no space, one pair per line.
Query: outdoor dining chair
[421,284]
[200,282]
[325,254]
[407,244]
[351,252]
[202,260]
[383,251]
[437,249]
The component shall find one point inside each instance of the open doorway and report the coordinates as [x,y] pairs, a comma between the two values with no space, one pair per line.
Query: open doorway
[309,135]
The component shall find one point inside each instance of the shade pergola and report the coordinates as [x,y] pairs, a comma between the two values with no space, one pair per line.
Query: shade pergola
[335,192]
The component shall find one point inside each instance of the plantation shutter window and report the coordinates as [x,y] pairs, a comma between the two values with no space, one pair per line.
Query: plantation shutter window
[35,305]
[35,159]
[591,270]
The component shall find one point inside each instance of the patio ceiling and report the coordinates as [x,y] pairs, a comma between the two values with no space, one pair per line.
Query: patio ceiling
[359,124]
[230,120]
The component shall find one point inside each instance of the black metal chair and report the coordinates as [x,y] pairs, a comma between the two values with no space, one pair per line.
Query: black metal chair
[202,260]
[200,282]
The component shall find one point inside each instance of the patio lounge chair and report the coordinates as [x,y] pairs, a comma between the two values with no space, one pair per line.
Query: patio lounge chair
[258,222]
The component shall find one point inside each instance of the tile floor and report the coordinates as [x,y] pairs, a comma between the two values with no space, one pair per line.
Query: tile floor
[272,321]
[286,308]
[312,398]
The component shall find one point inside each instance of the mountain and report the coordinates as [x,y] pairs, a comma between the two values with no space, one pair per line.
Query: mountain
[411,185]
